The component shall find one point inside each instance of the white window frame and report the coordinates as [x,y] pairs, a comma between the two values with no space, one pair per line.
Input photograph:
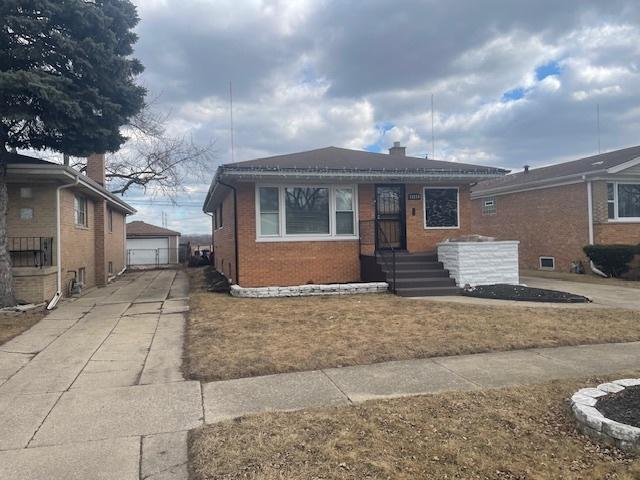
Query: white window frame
[493,204]
[302,237]
[424,206]
[540,259]
[616,218]
[84,201]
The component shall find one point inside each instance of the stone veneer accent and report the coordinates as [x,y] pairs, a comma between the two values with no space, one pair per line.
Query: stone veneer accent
[309,290]
[481,263]
[594,424]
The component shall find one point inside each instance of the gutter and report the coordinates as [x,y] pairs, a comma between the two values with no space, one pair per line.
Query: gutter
[54,301]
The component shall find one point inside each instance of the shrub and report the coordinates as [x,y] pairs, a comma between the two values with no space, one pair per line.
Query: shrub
[611,259]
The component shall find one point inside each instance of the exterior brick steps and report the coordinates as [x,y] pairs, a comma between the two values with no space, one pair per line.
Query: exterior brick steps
[418,275]
[427,291]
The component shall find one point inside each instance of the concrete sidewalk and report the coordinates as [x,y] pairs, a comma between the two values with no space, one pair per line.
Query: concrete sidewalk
[95,389]
[342,386]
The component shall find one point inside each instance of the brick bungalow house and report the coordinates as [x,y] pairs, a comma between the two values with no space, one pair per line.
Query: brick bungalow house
[331,215]
[62,226]
[555,211]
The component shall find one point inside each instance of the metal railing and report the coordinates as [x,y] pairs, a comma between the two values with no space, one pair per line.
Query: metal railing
[30,251]
[371,233]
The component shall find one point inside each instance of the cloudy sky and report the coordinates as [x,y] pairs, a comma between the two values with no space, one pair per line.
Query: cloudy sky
[514,82]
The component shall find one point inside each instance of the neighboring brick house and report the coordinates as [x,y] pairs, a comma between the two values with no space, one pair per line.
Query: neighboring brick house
[555,211]
[320,216]
[55,213]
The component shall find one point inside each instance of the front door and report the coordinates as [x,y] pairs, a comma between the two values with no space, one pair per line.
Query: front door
[390,217]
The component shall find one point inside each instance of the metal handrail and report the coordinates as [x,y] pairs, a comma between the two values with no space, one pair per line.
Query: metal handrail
[385,241]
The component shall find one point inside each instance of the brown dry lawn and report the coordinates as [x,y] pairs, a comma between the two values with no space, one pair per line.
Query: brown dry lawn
[233,338]
[13,324]
[586,278]
[514,433]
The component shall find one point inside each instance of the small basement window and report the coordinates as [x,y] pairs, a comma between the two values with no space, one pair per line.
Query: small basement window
[81,275]
[26,213]
[489,206]
[110,267]
[547,263]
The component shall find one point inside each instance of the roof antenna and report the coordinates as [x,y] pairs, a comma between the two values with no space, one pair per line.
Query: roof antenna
[433,137]
[598,124]
[233,156]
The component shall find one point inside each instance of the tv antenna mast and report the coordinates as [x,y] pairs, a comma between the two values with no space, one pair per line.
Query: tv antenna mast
[233,156]
[598,124]
[433,136]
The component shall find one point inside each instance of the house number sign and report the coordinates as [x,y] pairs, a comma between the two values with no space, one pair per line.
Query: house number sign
[414,196]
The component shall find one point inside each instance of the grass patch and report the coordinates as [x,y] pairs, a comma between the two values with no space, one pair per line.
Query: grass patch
[512,433]
[13,324]
[232,337]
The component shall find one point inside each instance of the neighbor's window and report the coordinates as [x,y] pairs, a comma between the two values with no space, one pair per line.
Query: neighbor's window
[81,275]
[547,263]
[489,206]
[293,212]
[80,210]
[110,267]
[269,211]
[26,213]
[110,219]
[611,201]
[345,221]
[623,201]
[441,207]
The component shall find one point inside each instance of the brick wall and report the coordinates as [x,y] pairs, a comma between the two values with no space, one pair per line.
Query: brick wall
[114,243]
[78,243]
[547,222]
[43,203]
[223,243]
[420,239]
[35,285]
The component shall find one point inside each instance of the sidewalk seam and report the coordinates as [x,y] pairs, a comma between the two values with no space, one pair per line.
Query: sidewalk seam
[337,387]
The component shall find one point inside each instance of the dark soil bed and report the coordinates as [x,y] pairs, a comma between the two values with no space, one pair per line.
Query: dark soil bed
[623,407]
[216,281]
[502,291]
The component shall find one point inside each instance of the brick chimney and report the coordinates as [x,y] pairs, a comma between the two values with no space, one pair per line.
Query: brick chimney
[397,150]
[95,167]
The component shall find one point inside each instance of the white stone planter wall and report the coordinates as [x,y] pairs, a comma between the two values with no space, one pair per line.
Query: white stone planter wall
[309,290]
[481,263]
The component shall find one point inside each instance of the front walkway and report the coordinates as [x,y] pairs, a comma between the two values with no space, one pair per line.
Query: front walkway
[95,390]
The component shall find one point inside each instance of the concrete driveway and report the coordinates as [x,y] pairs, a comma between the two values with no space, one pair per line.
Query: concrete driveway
[95,389]
[606,295]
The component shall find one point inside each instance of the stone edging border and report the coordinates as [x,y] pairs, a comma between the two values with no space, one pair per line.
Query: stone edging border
[594,424]
[309,290]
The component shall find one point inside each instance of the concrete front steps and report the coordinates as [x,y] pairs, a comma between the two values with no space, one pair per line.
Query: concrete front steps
[418,274]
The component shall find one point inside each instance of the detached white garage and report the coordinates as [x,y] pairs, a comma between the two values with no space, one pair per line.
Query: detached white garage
[149,245]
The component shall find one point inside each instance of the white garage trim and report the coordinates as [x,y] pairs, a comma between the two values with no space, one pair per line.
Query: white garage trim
[149,251]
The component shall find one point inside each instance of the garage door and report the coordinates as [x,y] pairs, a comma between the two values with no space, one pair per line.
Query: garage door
[147,251]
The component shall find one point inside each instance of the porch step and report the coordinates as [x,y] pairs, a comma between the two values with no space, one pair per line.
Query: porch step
[417,274]
[427,291]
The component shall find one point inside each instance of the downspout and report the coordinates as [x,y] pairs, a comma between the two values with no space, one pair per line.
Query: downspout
[58,294]
[124,244]
[235,227]
[594,269]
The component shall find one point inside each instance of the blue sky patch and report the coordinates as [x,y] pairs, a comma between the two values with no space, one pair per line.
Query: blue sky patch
[548,69]
[380,145]
[511,95]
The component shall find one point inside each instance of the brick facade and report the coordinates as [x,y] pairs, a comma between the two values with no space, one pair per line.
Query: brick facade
[548,222]
[287,263]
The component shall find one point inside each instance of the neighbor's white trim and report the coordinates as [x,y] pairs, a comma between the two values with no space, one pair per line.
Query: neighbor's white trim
[497,192]
[542,257]
[424,207]
[616,218]
[282,236]
[624,166]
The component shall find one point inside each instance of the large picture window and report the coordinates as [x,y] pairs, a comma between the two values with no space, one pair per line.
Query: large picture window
[623,201]
[295,212]
[441,207]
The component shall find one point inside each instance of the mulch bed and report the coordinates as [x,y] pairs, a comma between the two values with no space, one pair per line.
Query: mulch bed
[502,291]
[623,407]
[216,281]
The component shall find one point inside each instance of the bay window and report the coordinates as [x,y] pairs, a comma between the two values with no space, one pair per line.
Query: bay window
[441,207]
[301,212]
[623,201]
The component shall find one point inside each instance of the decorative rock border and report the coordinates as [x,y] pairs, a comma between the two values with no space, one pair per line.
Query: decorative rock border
[309,290]
[593,423]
